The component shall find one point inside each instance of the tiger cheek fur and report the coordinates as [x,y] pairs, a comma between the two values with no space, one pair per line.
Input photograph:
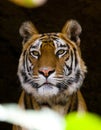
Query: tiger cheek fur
[51,69]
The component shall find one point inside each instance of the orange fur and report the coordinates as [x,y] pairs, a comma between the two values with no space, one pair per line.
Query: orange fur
[51,69]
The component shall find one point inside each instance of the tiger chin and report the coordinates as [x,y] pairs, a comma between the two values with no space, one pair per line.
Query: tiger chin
[51,69]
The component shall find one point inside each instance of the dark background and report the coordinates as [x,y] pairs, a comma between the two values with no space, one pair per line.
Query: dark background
[50,18]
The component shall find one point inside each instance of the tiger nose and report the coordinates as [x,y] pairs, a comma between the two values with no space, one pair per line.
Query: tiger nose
[46,71]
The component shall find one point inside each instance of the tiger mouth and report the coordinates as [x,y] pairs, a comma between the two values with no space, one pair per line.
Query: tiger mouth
[49,85]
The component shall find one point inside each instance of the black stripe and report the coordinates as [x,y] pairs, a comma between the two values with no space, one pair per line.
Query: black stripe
[62,86]
[24,53]
[28,80]
[77,76]
[25,77]
[45,105]
[74,103]
[71,60]
[28,101]
[69,69]
[26,62]
[70,81]
[76,61]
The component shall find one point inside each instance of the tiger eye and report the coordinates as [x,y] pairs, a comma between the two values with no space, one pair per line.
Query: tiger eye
[35,53]
[60,52]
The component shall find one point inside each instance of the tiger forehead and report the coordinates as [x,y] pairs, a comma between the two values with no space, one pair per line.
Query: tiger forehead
[52,39]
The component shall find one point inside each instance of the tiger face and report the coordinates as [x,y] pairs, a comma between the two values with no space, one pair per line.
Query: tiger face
[51,64]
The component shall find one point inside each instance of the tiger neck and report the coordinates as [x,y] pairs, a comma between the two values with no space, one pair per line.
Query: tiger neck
[61,107]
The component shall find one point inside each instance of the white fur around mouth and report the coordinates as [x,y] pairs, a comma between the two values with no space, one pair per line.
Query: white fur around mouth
[48,89]
[47,85]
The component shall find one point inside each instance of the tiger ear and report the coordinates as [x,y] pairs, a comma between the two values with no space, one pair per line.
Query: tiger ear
[72,30]
[26,30]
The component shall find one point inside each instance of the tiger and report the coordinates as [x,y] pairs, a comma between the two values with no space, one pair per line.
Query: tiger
[51,69]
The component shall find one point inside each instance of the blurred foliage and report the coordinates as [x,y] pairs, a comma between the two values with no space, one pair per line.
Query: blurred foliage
[31,119]
[28,3]
[83,121]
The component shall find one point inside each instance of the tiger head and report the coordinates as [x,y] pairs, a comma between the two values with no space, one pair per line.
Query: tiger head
[51,63]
